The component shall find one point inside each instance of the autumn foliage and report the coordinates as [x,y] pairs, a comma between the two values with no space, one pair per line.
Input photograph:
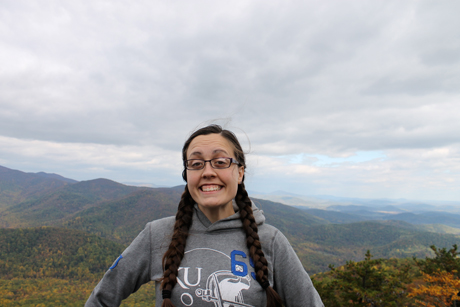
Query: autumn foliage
[431,282]
[57,267]
[438,290]
[441,279]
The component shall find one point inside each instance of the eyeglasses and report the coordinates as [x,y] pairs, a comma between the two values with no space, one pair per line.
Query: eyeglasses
[216,163]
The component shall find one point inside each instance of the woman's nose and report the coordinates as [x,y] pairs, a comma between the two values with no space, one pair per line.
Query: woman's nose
[208,170]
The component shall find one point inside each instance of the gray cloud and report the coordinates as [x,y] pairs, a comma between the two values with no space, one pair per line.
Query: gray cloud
[327,78]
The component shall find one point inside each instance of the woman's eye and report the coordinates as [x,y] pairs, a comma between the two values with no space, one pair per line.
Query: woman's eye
[197,164]
[220,162]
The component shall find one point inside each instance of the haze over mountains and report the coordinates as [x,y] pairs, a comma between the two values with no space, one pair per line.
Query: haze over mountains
[347,210]
[390,205]
[341,230]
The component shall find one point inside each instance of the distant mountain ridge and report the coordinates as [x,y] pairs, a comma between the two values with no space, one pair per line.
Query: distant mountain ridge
[13,175]
[55,176]
[17,186]
[350,214]
[329,202]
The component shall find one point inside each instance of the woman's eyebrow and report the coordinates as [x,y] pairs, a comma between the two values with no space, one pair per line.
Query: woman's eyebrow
[215,151]
[219,151]
[195,153]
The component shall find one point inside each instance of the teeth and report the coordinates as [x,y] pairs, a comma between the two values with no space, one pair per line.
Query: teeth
[210,188]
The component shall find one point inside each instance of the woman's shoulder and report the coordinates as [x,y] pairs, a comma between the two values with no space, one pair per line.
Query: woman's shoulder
[158,231]
[164,225]
[161,223]
[267,231]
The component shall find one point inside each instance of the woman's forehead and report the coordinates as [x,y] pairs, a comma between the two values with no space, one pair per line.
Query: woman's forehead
[209,144]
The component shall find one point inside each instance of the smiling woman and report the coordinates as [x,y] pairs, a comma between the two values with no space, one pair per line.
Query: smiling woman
[213,186]
[217,251]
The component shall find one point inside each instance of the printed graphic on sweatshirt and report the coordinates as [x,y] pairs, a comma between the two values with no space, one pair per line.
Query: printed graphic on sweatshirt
[216,279]
[114,265]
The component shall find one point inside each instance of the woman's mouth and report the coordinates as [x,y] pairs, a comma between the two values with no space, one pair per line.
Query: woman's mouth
[210,188]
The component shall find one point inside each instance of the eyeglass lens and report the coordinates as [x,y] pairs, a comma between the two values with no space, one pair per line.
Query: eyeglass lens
[197,164]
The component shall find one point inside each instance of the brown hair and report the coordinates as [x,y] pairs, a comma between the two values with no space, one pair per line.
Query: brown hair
[173,256]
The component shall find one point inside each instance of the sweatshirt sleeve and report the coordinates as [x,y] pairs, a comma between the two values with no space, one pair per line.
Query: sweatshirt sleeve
[130,271]
[291,281]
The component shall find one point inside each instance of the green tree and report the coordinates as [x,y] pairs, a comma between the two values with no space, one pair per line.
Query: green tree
[444,260]
[366,283]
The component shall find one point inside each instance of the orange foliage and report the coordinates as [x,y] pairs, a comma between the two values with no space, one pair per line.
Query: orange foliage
[440,289]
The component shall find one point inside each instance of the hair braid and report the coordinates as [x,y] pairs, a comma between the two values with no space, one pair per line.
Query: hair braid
[173,256]
[254,246]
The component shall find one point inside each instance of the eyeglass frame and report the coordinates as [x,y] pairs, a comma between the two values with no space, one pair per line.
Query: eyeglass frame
[232,160]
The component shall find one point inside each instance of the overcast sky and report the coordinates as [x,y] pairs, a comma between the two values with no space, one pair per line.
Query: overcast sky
[346,98]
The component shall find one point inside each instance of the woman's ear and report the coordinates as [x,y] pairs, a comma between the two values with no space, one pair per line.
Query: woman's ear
[240,174]
[184,175]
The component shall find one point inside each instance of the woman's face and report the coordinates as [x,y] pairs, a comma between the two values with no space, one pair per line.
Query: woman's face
[213,189]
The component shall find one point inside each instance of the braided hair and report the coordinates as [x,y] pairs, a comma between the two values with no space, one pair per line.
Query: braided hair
[173,256]
[254,246]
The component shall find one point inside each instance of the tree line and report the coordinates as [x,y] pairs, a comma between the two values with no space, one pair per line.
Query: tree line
[430,282]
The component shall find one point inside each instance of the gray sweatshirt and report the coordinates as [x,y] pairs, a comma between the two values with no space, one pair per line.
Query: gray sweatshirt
[216,270]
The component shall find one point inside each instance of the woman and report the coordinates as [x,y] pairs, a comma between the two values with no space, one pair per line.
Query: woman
[217,251]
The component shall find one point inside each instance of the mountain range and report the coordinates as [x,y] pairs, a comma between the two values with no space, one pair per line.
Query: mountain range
[118,212]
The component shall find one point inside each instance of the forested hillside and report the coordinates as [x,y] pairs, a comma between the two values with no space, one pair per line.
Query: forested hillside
[56,267]
[335,244]
[93,221]
[50,207]
[122,219]
[54,252]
